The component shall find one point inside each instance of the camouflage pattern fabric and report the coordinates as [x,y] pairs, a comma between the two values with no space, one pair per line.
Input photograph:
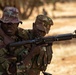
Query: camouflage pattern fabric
[6,67]
[10,15]
[43,22]
[47,20]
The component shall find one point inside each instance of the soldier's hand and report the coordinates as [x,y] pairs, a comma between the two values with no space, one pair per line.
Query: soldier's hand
[44,57]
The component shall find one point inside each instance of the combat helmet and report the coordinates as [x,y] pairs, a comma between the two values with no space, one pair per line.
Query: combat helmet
[47,20]
[10,15]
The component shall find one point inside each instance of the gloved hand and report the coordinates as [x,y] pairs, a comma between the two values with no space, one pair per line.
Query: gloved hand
[44,57]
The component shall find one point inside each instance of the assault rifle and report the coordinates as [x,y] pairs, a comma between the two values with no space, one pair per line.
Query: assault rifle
[45,40]
[41,41]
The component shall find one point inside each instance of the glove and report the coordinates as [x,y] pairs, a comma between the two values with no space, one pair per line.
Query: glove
[44,57]
[49,53]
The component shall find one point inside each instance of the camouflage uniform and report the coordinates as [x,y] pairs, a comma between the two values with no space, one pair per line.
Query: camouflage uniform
[12,58]
[41,60]
[10,61]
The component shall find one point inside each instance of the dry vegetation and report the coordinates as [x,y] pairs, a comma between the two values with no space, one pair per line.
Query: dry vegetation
[64,53]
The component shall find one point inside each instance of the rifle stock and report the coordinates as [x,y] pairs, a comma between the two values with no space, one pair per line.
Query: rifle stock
[45,40]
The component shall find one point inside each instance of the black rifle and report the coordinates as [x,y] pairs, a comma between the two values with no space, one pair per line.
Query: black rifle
[45,40]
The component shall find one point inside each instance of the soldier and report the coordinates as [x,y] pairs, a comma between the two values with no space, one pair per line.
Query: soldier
[39,56]
[9,32]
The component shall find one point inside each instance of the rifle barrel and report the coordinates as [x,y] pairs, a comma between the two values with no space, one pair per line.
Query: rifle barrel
[44,40]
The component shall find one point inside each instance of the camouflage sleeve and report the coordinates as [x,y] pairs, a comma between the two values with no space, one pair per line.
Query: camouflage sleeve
[23,33]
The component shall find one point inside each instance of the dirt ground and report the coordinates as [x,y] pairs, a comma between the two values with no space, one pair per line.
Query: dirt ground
[64,53]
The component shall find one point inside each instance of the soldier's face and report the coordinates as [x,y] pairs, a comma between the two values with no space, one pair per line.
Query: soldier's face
[10,28]
[41,28]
